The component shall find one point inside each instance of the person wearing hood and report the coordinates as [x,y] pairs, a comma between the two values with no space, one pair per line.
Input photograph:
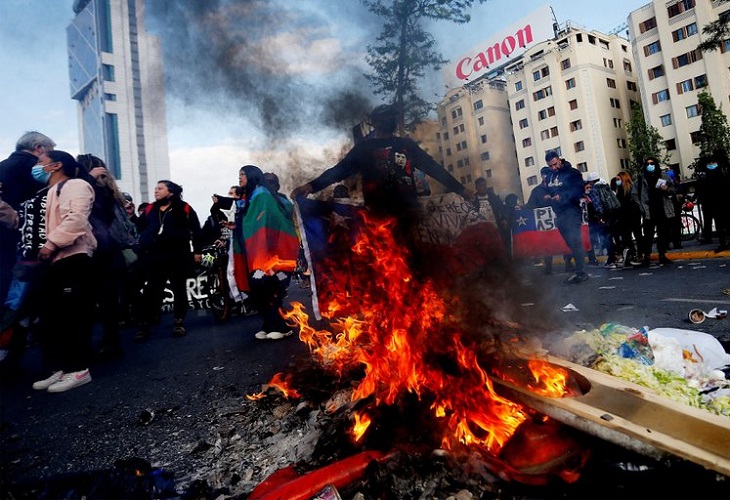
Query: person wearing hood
[566,188]
[713,189]
[655,190]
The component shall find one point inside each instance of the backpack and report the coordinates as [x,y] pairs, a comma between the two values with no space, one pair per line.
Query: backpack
[608,200]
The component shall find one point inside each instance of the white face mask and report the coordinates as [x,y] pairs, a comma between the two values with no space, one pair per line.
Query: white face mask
[618,183]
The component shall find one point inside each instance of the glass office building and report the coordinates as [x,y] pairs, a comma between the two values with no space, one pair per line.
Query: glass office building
[115,71]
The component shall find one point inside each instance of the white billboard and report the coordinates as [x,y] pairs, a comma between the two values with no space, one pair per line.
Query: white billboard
[501,48]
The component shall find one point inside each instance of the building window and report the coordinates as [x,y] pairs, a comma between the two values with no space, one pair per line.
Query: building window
[466,160]
[693,111]
[617,122]
[484,156]
[662,95]
[443,121]
[591,39]
[527,142]
[529,161]
[685,59]
[542,93]
[532,180]
[460,164]
[110,97]
[481,121]
[576,125]
[695,137]
[468,178]
[611,83]
[615,103]
[665,120]
[483,138]
[607,63]
[582,166]
[463,145]
[684,32]
[458,146]
[685,86]
[647,25]
[450,168]
[448,151]
[570,83]
[542,114]
[573,104]
[478,105]
[107,73]
[551,111]
[627,66]
[579,37]
[455,113]
[631,86]
[518,86]
[700,81]
[579,146]
[670,144]
[679,7]
[536,75]
[656,72]
[553,131]
[519,104]
[446,136]
[455,130]
[565,63]
[621,143]
[488,173]
[652,48]
[523,123]
[545,134]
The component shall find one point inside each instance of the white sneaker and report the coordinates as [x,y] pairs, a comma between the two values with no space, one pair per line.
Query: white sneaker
[262,335]
[42,385]
[71,381]
[278,335]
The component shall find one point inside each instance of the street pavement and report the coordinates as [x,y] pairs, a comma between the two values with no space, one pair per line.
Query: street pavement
[186,382]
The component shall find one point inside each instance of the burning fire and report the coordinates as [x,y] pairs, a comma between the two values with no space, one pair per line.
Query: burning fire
[401,332]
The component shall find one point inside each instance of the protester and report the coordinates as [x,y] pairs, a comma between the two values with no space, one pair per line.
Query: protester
[18,185]
[713,189]
[168,245]
[540,198]
[657,209]
[66,321]
[114,234]
[606,206]
[629,219]
[271,246]
[565,185]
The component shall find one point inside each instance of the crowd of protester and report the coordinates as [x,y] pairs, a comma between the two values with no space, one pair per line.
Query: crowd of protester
[66,229]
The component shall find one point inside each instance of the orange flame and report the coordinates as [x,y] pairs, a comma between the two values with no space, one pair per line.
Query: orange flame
[398,328]
[278,381]
[362,422]
[551,380]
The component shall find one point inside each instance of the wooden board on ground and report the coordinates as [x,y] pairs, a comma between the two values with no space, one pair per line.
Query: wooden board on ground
[634,417]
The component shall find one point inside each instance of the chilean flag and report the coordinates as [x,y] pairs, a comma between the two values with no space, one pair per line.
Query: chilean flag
[534,234]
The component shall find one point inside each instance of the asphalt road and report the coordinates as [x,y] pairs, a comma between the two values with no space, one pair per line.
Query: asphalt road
[186,381]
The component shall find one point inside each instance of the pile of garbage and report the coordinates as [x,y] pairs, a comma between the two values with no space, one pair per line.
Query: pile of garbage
[683,365]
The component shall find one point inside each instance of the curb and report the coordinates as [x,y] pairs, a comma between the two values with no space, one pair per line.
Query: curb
[696,254]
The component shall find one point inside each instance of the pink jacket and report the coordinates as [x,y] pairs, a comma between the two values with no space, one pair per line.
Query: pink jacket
[68,231]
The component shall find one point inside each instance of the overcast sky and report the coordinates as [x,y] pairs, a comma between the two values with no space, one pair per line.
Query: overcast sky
[311,49]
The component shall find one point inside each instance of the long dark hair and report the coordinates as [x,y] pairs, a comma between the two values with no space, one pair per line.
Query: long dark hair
[69,165]
[176,191]
[254,179]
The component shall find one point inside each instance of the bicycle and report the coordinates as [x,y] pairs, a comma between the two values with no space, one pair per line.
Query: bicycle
[215,262]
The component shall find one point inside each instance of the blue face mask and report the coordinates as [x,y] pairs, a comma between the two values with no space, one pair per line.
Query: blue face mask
[650,169]
[618,183]
[711,166]
[39,174]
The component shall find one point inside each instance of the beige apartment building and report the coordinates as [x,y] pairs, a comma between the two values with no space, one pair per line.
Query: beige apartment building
[572,94]
[475,136]
[664,38]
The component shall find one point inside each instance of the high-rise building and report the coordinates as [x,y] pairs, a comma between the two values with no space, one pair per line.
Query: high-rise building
[573,95]
[115,69]
[664,38]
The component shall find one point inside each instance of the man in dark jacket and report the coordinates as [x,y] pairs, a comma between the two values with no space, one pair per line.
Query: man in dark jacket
[566,188]
[17,185]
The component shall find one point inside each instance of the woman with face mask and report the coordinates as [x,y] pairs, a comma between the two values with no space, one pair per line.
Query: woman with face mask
[629,219]
[66,321]
[657,209]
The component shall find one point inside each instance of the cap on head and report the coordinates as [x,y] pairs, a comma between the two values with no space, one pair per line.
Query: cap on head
[545,171]
[592,177]
[127,197]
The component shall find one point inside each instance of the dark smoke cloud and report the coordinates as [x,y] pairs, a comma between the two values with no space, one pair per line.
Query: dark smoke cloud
[218,57]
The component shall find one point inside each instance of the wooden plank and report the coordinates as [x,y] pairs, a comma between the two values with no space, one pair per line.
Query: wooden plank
[634,417]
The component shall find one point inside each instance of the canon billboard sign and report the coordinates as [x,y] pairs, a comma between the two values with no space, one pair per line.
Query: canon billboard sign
[512,42]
